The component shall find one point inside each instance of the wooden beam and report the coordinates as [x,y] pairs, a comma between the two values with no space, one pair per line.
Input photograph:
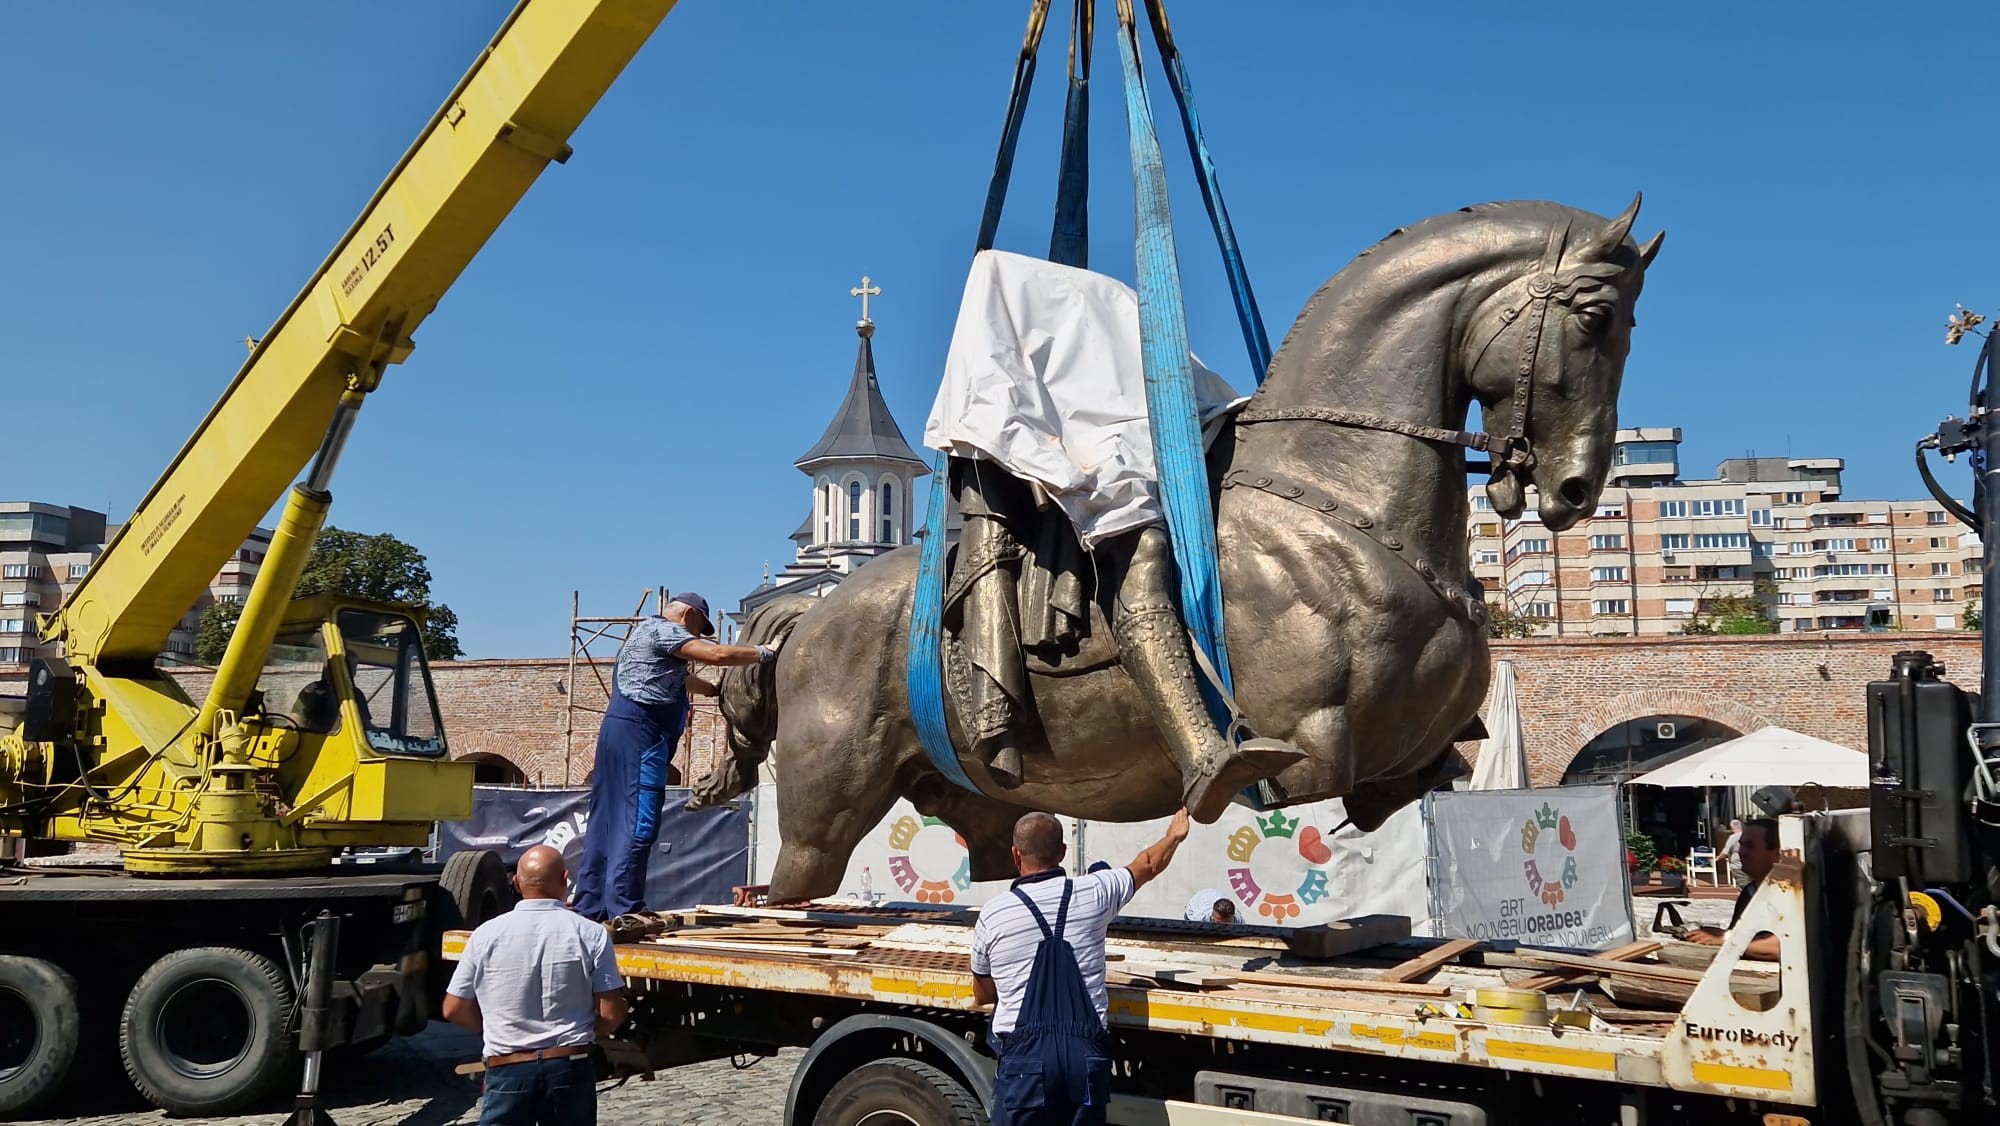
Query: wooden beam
[1302,981]
[1427,961]
[1631,951]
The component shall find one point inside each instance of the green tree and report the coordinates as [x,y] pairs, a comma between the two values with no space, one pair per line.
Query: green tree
[1504,621]
[1970,619]
[1736,613]
[380,567]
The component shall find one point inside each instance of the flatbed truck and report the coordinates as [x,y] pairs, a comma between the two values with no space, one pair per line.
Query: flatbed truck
[1225,1024]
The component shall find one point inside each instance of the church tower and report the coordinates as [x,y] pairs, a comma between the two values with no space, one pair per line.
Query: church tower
[862,470]
[863,476]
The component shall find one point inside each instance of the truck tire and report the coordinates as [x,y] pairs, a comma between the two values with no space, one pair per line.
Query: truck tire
[208,1030]
[39,1030]
[899,1091]
[476,881]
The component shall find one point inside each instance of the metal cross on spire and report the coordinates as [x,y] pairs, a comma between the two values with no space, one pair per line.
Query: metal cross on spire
[864,291]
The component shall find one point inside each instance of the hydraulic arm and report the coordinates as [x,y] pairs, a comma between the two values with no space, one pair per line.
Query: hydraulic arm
[112,750]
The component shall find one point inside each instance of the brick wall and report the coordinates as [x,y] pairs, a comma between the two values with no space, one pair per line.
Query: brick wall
[513,711]
[1572,690]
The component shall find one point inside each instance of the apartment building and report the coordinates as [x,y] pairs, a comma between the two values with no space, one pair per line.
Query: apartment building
[1660,549]
[47,549]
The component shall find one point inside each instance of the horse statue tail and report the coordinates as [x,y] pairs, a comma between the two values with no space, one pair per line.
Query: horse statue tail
[749,700]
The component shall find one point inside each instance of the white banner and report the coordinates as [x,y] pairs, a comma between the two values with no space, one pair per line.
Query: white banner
[1288,868]
[1542,867]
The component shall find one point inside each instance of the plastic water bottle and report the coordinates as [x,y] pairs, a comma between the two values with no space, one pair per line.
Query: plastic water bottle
[867,888]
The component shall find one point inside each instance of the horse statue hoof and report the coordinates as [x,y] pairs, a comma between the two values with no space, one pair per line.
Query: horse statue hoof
[1223,777]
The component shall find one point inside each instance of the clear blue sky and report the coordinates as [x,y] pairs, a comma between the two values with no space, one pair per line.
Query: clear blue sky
[613,394]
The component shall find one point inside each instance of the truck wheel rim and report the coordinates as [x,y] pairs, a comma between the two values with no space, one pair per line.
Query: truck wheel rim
[886,1118]
[19,1032]
[204,1028]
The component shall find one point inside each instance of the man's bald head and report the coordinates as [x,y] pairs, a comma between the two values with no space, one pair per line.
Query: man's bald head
[541,874]
[1038,843]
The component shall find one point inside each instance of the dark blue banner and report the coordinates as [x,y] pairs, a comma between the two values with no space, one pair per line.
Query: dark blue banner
[699,858]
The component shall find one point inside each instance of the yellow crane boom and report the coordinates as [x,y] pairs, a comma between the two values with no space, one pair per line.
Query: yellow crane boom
[113,750]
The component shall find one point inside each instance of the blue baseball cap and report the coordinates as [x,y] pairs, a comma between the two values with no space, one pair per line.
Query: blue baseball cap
[698,604]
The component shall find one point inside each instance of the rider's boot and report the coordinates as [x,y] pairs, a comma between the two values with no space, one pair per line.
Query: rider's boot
[998,682]
[1156,653]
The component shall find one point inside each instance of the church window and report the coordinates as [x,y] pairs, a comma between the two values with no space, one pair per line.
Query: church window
[888,512]
[854,510]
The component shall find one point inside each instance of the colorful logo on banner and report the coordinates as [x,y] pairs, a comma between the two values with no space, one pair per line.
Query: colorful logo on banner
[924,850]
[1278,866]
[1548,836]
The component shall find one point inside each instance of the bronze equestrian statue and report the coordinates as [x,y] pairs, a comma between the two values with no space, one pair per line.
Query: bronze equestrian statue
[1356,633]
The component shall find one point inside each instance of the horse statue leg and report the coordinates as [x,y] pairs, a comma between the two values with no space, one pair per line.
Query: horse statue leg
[1157,654]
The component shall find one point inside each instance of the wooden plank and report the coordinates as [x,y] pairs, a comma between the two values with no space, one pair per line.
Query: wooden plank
[1631,951]
[1427,961]
[1303,981]
[1178,975]
[1345,936]
[1740,981]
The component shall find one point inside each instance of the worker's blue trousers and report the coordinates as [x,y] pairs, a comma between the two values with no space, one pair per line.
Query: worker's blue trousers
[627,792]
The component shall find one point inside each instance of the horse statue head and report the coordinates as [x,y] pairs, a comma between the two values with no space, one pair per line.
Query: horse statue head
[1547,354]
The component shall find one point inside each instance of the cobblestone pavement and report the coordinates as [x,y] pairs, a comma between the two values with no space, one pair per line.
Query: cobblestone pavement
[411,1083]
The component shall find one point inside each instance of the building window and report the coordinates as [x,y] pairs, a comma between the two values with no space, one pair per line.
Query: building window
[1488,558]
[1609,606]
[1539,610]
[1643,453]
[1879,543]
[1934,518]
[1939,594]
[1760,517]
[1607,574]
[1799,547]
[1680,606]
[21,571]
[1760,550]
[1938,543]
[1528,579]
[1605,511]
[1940,568]
[1731,507]
[1677,541]
[854,510]
[1672,508]
[1607,543]
[1718,540]
[1481,503]
[1527,547]
[13,625]
[1795,498]
[889,513]
[826,514]
[10,654]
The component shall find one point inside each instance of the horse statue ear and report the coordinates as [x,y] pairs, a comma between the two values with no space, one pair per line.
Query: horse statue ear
[1605,245]
[1651,250]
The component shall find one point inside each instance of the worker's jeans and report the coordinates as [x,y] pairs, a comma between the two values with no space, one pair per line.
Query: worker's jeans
[627,793]
[541,1093]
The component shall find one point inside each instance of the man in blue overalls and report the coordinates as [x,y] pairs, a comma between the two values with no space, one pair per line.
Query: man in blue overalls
[635,746]
[1046,979]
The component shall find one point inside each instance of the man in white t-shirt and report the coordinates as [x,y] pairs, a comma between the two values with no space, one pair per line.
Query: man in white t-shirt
[1009,934]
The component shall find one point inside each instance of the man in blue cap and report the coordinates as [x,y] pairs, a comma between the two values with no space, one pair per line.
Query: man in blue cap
[635,746]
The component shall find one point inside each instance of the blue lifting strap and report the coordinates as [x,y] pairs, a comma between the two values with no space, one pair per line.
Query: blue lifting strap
[1247,315]
[1170,402]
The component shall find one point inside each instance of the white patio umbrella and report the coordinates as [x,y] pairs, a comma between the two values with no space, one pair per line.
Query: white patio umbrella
[1770,756]
[1503,754]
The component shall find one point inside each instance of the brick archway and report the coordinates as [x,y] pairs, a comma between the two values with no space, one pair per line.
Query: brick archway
[1560,752]
[495,769]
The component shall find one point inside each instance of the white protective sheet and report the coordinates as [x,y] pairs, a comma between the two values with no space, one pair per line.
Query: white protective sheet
[1503,754]
[1044,378]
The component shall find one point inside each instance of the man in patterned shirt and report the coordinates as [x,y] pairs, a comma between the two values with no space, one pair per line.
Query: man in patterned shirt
[648,710]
